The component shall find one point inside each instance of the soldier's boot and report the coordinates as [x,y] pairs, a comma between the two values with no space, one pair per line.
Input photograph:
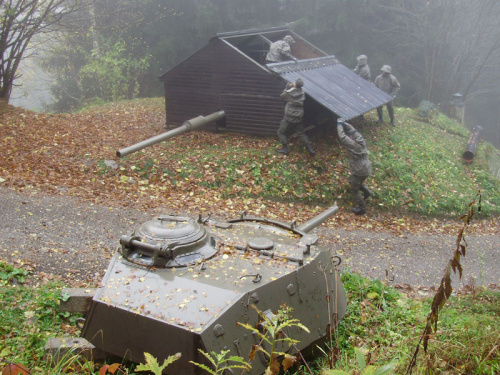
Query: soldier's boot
[359,211]
[379,113]
[284,150]
[366,192]
[309,148]
[391,115]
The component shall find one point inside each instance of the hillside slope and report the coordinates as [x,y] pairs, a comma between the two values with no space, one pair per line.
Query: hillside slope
[417,166]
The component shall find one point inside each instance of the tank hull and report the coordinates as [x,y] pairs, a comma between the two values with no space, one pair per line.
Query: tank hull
[163,311]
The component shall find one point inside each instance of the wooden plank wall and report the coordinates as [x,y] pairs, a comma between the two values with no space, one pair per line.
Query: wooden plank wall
[220,77]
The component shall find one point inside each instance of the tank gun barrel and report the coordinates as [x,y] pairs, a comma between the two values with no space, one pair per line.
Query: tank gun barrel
[318,219]
[187,126]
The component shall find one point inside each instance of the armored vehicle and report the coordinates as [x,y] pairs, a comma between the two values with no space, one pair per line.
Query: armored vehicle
[182,284]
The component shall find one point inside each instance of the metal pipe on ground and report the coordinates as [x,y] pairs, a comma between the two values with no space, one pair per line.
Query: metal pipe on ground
[187,126]
[470,150]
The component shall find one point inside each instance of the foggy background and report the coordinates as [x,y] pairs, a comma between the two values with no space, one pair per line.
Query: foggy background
[108,50]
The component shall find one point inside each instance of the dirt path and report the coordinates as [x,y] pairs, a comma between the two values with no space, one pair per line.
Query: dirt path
[60,237]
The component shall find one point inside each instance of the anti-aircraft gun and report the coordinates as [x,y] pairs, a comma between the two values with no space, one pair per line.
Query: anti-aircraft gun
[182,284]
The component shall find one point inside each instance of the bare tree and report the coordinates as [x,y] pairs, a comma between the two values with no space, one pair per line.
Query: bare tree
[443,44]
[21,20]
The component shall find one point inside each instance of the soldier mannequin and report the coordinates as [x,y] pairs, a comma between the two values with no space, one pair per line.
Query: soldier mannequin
[389,84]
[360,166]
[294,112]
[280,50]
[362,69]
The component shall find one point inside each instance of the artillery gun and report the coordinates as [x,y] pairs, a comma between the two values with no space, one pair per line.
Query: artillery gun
[182,284]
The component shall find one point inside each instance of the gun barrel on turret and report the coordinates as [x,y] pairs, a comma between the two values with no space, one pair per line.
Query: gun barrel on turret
[318,219]
[187,126]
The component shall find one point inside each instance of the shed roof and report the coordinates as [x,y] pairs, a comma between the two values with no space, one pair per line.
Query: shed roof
[333,85]
[231,73]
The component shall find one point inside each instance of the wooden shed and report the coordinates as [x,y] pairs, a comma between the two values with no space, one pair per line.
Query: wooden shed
[230,74]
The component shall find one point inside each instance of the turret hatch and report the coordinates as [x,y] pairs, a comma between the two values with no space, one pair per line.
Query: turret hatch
[169,241]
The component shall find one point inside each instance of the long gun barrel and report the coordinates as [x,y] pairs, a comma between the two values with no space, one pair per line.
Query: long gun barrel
[318,219]
[187,126]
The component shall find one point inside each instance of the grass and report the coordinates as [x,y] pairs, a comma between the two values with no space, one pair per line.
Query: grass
[386,326]
[417,167]
[28,317]
[468,339]
[381,322]
[99,105]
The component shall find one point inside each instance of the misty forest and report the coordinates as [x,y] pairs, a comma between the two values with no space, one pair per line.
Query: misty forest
[408,284]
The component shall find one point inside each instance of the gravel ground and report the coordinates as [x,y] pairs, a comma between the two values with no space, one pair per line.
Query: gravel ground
[62,238]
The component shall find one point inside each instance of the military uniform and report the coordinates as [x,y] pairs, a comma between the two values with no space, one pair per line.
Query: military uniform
[280,50]
[389,84]
[294,97]
[360,166]
[362,69]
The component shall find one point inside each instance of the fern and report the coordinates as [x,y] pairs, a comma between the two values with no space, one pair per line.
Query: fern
[153,366]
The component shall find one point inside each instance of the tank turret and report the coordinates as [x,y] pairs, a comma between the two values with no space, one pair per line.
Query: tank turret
[182,284]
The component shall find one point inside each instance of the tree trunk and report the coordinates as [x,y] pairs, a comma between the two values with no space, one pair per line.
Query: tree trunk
[95,42]
[5,91]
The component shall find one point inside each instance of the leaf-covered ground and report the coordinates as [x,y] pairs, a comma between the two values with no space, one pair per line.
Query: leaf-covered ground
[208,172]
[224,174]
